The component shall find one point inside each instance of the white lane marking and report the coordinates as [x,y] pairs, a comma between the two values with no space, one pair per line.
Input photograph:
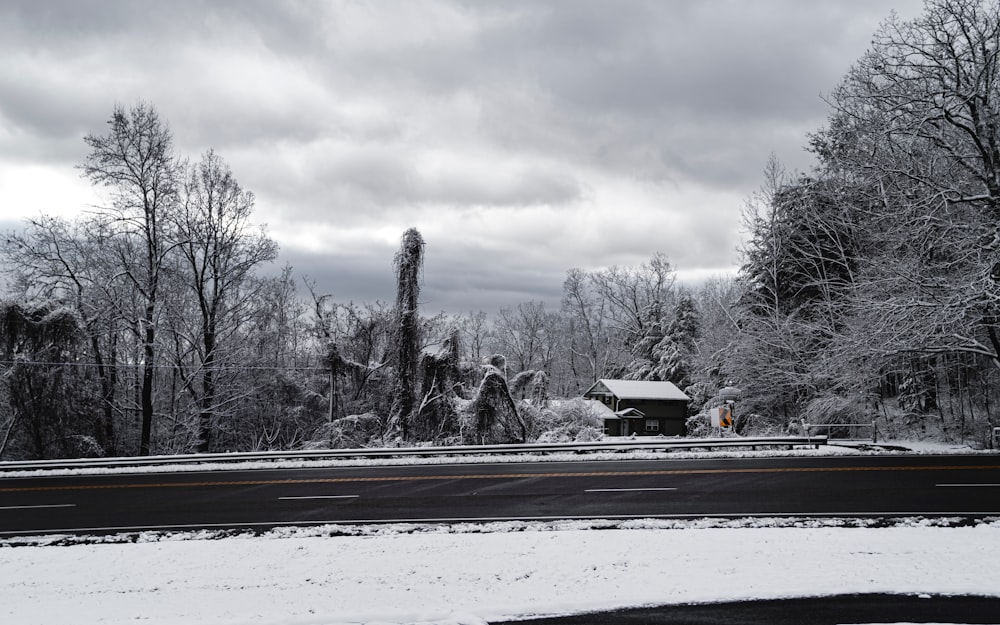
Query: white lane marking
[324,497]
[624,490]
[967,485]
[52,505]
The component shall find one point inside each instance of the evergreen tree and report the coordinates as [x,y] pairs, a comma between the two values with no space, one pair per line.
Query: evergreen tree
[666,350]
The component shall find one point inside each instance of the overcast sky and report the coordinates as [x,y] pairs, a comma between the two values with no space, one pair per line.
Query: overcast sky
[521,138]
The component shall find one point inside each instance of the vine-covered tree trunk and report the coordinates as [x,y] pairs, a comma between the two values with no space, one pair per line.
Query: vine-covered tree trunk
[54,414]
[409,262]
[495,419]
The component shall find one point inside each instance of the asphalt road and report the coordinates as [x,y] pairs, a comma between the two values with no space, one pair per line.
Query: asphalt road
[967,486]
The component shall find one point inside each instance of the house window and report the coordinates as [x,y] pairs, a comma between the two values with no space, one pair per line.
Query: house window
[652,425]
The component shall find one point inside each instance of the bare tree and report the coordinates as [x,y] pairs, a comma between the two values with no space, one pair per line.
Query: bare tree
[55,259]
[476,335]
[220,249]
[276,366]
[361,336]
[135,161]
[916,124]
[609,312]
[591,354]
[521,335]
[631,291]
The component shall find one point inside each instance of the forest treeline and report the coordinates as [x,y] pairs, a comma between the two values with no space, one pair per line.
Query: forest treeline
[869,290]
[871,286]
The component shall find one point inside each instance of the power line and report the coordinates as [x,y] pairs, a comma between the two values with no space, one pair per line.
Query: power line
[140,365]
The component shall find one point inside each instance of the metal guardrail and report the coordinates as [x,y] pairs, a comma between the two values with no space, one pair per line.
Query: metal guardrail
[659,444]
[829,426]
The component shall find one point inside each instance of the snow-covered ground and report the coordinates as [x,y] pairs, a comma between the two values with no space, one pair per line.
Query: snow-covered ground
[474,574]
[471,574]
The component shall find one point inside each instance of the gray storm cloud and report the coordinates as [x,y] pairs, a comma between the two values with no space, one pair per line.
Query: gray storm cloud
[515,135]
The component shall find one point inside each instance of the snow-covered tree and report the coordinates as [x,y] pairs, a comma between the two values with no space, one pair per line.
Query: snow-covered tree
[409,263]
[493,415]
[219,250]
[135,161]
[53,411]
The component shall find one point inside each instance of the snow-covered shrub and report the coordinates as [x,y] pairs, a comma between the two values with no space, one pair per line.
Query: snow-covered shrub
[756,424]
[436,417]
[699,395]
[833,409]
[699,425]
[567,421]
[492,417]
[748,424]
[530,384]
[351,432]
[84,446]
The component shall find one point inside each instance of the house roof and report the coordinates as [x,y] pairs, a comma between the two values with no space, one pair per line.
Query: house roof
[602,411]
[635,389]
[631,413]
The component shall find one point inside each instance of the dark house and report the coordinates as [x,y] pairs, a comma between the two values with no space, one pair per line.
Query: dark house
[643,408]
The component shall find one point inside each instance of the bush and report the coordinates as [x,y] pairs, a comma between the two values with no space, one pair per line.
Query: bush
[699,426]
[351,432]
[568,421]
[831,410]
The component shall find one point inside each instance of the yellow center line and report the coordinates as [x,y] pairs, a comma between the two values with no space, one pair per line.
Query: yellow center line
[504,476]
